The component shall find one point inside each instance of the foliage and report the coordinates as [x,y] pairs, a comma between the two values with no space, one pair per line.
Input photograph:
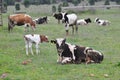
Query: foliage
[107,2]
[65,4]
[75,2]
[53,8]
[17,6]
[59,8]
[118,2]
[26,3]
[91,2]
[10,2]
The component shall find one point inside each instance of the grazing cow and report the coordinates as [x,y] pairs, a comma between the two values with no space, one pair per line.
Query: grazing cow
[58,16]
[70,20]
[101,22]
[84,21]
[68,53]
[41,20]
[19,20]
[36,39]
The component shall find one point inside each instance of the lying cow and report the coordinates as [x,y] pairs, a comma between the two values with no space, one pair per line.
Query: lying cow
[41,20]
[19,20]
[83,21]
[68,53]
[102,22]
[36,39]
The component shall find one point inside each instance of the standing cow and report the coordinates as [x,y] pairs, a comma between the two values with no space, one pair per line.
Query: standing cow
[70,20]
[58,16]
[19,20]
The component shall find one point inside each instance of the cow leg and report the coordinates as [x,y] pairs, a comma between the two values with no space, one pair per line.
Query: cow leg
[72,29]
[76,27]
[37,49]
[27,27]
[26,46]
[67,29]
[30,47]
[59,60]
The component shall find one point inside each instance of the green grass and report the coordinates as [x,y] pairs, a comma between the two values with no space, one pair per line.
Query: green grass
[44,66]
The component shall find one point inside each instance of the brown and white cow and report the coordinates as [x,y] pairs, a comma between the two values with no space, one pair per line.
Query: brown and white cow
[68,53]
[19,20]
[36,39]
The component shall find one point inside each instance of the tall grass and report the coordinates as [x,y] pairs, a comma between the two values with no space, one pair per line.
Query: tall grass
[44,66]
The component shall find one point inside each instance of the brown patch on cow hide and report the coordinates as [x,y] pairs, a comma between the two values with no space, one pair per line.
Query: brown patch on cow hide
[43,38]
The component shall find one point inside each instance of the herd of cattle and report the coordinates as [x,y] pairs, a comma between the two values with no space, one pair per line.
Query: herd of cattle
[67,53]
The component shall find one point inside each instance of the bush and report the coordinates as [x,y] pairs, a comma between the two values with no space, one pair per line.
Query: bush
[53,8]
[17,6]
[26,3]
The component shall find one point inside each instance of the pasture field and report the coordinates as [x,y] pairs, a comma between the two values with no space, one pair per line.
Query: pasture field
[44,66]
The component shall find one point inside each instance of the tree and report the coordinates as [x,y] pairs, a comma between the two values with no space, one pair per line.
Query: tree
[65,4]
[59,8]
[107,2]
[117,2]
[17,6]
[26,3]
[92,2]
[53,9]
[75,2]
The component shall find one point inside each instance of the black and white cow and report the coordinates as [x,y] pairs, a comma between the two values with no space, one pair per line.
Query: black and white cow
[102,22]
[41,20]
[70,20]
[83,21]
[58,16]
[68,53]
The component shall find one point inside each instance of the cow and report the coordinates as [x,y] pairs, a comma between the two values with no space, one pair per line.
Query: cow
[19,20]
[70,20]
[36,39]
[102,22]
[69,53]
[58,16]
[41,20]
[83,21]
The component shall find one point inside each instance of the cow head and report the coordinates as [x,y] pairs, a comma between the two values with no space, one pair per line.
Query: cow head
[60,45]
[88,20]
[96,19]
[44,38]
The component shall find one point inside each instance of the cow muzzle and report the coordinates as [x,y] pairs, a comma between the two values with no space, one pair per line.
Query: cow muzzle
[60,50]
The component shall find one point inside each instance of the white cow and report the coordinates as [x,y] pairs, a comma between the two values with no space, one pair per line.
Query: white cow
[36,39]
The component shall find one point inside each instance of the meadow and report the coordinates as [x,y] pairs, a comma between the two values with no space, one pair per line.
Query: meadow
[44,66]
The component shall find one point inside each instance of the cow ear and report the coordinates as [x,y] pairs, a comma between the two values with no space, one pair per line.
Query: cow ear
[53,41]
[64,40]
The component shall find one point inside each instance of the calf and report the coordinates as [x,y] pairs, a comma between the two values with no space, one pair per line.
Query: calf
[19,20]
[102,22]
[83,21]
[68,53]
[36,39]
